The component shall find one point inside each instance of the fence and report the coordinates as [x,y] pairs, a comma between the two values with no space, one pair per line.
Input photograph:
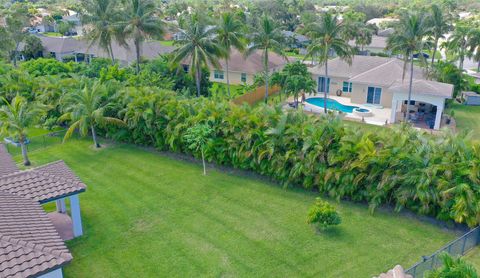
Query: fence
[38,142]
[457,247]
[257,95]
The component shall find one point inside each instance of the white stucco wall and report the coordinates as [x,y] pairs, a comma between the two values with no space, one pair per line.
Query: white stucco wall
[57,273]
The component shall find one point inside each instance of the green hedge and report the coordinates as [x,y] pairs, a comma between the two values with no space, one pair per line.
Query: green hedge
[436,176]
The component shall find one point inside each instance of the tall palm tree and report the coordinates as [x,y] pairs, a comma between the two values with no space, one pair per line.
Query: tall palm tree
[327,38]
[267,37]
[230,35]
[457,43]
[141,21]
[15,119]
[103,17]
[474,46]
[200,46]
[408,39]
[439,23]
[86,110]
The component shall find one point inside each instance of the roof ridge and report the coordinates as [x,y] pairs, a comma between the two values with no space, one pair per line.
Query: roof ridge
[390,60]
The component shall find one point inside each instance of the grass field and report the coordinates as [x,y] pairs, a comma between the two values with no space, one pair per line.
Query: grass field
[148,215]
[467,119]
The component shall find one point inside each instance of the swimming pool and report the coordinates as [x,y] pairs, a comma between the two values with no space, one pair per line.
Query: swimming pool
[331,104]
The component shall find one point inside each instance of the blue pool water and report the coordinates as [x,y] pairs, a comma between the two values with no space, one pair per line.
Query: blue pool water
[331,104]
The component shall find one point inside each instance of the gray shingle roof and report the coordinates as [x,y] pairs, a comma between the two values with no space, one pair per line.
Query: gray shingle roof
[7,165]
[43,184]
[252,64]
[29,243]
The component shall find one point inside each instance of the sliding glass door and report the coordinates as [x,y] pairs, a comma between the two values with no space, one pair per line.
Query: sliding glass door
[321,84]
[374,95]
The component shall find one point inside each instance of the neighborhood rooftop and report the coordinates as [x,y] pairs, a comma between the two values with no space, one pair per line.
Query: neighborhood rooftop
[238,62]
[30,245]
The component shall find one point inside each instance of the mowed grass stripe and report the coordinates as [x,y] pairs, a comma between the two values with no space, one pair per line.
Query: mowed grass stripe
[149,215]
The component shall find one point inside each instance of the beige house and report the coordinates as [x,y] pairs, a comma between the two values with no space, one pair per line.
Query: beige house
[378,45]
[377,82]
[242,70]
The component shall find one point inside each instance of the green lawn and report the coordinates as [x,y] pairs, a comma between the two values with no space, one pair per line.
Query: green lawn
[167,43]
[52,34]
[146,215]
[219,90]
[467,119]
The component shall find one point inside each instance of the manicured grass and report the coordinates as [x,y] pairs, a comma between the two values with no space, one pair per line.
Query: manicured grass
[145,215]
[51,34]
[167,43]
[467,119]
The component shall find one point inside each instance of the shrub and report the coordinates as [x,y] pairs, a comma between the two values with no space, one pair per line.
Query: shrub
[323,214]
[43,66]
[453,267]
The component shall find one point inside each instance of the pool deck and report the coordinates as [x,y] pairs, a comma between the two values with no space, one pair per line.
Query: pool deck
[381,116]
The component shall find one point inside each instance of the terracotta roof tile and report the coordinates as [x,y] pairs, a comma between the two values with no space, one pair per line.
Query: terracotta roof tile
[7,165]
[29,243]
[44,183]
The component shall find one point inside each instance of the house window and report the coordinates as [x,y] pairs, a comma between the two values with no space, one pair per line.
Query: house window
[321,84]
[218,74]
[347,87]
[374,95]
[243,77]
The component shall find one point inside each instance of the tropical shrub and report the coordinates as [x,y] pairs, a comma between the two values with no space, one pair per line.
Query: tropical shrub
[323,214]
[453,267]
[43,66]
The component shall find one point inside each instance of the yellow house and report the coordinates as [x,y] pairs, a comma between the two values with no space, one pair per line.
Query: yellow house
[242,70]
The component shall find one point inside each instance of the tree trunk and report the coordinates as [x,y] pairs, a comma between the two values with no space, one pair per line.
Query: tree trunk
[26,161]
[15,54]
[265,67]
[111,54]
[478,65]
[137,52]
[228,77]
[460,65]
[198,75]
[94,136]
[410,85]
[434,51]
[204,167]
[325,86]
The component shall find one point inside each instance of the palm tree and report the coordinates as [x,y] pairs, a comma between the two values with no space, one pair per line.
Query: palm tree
[327,38]
[474,46]
[408,39]
[267,37]
[103,16]
[15,119]
[229,34]
[198,44]
[86,109]
[439,22]
[140,22]
[457,43]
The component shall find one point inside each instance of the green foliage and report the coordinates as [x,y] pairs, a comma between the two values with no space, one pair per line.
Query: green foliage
[447,72]
[323,214]
[43,66]
[453,268]
[33,47]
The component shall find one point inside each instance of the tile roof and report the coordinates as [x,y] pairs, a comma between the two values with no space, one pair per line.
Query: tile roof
[43,184]
[377,42]
[7,165]
[252,64]
[384,72]
[29,243]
